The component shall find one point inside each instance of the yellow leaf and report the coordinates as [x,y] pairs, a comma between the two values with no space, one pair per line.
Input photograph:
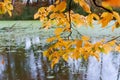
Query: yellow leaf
[117,48]
[85,6]
[85,38]
[76,1]
[45,53]
[65,57]
[78,43]
[60,7]
[58,31]
[9,7]
[57,2]
[75,54]
[51,8]
[10,13]
[51,39]
[2,8]
[78,19]
[53,15]
[107,48]
[106,18]
[112,43]
[36,16]
[117,16]
[90,18]
[47,24]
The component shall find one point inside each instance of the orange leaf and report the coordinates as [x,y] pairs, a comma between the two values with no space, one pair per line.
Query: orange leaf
[51,39]
[51,8]
[58,31]
[61,7]
[79,43]
[113,3]
[85,38]
[106,18]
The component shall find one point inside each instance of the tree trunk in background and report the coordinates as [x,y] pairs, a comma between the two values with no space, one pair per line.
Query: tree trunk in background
[28,3]
[13,2]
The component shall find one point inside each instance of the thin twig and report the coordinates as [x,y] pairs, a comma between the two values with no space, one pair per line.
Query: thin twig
[113,39]
[94,1]
[70,1]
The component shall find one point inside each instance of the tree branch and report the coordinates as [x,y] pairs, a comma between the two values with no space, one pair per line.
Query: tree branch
[94,1]
[70,1]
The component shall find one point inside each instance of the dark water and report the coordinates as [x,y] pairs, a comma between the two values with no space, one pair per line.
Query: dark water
[24,61]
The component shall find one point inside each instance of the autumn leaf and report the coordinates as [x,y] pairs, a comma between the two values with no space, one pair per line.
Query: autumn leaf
[60,7]
[47,24]
[57,2]
[85,38]
[36,15]
[107,6]
[113,3]
[51,39]
[116,25]
[76,1]
[90,19]
[112,43]
[106,18]
[117,16]
[10,13]
[51,8]
[107,48]
[79,43]
[85,6]
[65,57]
[46,53]
[58,31]
[117,48]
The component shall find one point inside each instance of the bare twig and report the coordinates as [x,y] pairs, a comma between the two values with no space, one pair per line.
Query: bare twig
[113,39]
[94,1]
[70,1]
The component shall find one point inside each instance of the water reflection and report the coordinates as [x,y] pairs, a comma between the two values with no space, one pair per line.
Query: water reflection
[28,63]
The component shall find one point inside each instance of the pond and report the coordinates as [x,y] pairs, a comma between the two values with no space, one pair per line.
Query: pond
[21,58]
